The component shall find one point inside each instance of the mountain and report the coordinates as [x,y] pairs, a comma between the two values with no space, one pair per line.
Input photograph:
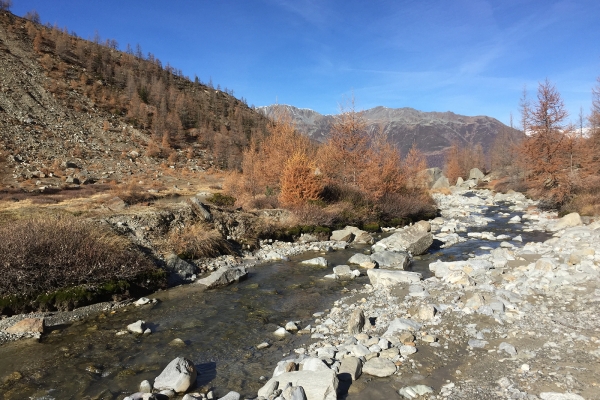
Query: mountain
[77,111]
[433,132]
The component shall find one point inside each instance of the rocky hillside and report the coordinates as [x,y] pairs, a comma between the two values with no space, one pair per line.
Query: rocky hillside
[433,132]
[74,111]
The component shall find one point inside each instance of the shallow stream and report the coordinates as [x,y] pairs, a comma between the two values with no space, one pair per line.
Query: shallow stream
[220,328]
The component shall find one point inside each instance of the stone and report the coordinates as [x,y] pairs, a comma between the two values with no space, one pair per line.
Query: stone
[178,375]
[137,327]
[27,325]
[320,385]
[476,173]
[386,278]
[391,259]
[441,183]
[350,369]
[413,392]
[380,367]
[263,345]
[358,350]
[359,259]
[313,364]
[430,176]
[477,343]
[406,350]
[142,301]
[291,327]
[115,204]
[281,332]
[142,396]
[400,325]
[459,181]
[223,277]
[343,272]
[146,387]
[317,261]
[178,269]
[567,221]
[425,312]
[177,342]
[343,235]
[200,209]
[231,396]
[546,264]
[414,239]
[508,348]
[356,322]
[560,396]
[295,393]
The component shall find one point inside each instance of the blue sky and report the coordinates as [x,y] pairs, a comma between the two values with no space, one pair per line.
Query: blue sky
[471,57]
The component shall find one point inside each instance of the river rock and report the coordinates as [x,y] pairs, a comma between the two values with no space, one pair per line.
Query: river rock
[141,396]
[567,221]
[146,387]
[317,261]
[350,369]
[508,348]
[343,235]
[179,375]
[231,396]
[560,396]
[137,327]
[223,277]
[476,173]
[27,325]
[200,209]
[359,259]
[380,367]
[391,259]
[415,239]
[386,278]
[356,322]
[360,236]
[321,385]
[401,324]
[343,272]
[281,332]
[178,269]
[291,326]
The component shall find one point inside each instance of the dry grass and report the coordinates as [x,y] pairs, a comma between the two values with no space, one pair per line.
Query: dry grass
[198,241]
[45,253]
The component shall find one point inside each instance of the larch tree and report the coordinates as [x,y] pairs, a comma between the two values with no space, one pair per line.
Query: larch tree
[300,182]
[545,149]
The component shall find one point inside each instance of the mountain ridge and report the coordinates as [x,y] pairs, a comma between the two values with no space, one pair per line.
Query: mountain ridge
[432,131]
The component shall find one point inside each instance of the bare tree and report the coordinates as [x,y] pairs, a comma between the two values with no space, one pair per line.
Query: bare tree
[5,5]
[33,16]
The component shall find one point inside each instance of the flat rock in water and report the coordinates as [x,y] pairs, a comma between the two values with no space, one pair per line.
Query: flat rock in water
[318,261]
[343,235]
[380,367]
[384,277]
[321,385]
[27,325]
[413,392]
[415,239]
[179,375]
[359,259]
[223,277]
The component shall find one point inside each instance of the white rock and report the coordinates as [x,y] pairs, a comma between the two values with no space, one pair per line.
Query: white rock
[178,375]
[317,261]
[320,385]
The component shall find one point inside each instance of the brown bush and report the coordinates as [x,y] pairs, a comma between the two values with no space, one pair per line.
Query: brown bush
[132,193]
[198,241]
[406,207]
[43,254]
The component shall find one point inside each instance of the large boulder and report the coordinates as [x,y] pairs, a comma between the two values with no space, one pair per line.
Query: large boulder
[391,259]
[430,176]
[476,174]
[360,236]
[179,270]
[415,239]
[321,385]
[567,221]
[386,278]
[441,183]
[179,375]
[342,235]
[350,369]
[223,277]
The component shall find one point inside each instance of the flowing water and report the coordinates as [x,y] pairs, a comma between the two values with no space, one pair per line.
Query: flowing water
[220,329]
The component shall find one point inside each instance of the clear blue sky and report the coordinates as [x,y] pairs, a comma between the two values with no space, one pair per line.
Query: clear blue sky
[467,56]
